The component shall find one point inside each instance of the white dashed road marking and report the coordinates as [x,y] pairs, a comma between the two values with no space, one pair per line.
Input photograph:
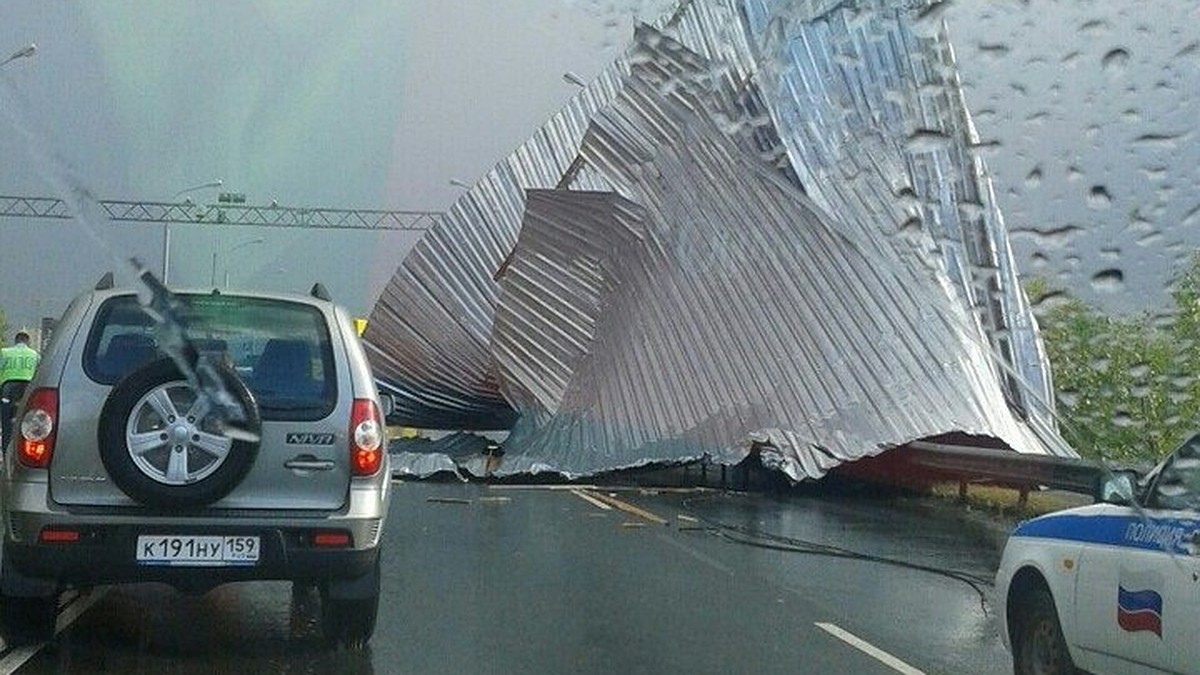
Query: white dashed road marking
[869,649]
[15,658]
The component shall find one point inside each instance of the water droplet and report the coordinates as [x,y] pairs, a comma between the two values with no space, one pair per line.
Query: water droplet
[1190,218]
[848,60]
[1109,280]
[972,209]
[1098,197]
[1165,140]
[927,140]
[1123,420]
[911,225]
[1139,371]
[1149,239]
[1154,172]
[1034,177]
[1051,298]
[1115,61]
[1058,237]
[931,16]
[993,50]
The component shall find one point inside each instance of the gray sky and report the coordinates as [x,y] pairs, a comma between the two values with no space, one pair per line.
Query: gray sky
[1092,106]
[380,103]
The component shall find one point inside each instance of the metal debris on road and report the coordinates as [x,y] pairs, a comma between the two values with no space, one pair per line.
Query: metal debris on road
[730,243]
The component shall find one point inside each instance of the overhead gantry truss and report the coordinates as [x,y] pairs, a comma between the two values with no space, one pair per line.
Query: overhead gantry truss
[227,214]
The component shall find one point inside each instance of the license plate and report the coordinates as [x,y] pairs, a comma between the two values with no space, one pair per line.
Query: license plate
[199,551]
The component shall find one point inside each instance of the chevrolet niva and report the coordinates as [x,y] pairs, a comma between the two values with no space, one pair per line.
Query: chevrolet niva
[243,440]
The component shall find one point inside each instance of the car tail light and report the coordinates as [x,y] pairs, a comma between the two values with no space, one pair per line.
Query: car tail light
[366,438]
[39,424]
[331,539]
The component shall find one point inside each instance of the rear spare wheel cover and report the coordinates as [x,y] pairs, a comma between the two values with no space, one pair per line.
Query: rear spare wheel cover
[164,445]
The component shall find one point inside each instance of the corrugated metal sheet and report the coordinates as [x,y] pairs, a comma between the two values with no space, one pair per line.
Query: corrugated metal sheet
[429,331]
[885,67]
[424,457]
[718,306]
[821,267]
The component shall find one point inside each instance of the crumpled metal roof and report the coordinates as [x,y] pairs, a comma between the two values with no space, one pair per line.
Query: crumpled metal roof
[698,254]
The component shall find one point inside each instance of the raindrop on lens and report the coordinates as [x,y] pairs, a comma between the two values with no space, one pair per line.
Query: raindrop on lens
[1098,197]
[1109,280]
[1115,61]
[1034,177]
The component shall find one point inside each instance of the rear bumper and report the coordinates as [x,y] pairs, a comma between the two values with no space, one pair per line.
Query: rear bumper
[105,552]
[107,555]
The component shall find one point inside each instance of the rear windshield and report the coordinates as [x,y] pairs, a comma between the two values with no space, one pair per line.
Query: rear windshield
[280,349]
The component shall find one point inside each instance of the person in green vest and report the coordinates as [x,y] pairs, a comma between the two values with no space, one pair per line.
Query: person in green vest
[17,364]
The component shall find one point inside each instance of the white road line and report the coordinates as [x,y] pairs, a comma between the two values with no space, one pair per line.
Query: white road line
[17,657]
[695,553]
[591,500]
[869,649]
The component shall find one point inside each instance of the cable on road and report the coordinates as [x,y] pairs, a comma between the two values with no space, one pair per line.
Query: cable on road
[745,536]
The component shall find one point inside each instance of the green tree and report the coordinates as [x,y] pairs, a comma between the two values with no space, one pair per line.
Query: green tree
[1127,389]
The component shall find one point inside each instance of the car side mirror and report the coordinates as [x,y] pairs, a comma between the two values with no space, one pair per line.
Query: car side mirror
[1116,487]
[388,403]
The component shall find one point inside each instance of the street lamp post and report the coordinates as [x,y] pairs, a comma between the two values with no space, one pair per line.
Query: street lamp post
[227,252]
[166,266]
[23,53]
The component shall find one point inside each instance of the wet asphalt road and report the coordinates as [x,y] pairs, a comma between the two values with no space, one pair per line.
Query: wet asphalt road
[487,580]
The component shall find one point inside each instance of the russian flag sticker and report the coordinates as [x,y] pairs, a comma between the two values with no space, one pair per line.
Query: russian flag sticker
[1139,611]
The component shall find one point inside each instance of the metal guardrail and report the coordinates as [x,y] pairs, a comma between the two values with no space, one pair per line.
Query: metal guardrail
[227,214]
[1003,467]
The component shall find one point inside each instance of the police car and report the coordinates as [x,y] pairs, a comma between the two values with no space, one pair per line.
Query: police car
[1113,587]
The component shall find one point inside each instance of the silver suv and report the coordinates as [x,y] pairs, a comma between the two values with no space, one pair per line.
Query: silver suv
[127,467]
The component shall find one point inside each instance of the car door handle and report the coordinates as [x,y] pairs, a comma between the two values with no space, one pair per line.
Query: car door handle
[308,463]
